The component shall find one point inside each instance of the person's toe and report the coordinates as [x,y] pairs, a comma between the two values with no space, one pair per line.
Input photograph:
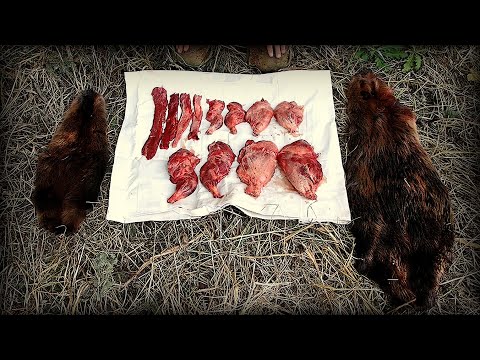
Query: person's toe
[182,48]
[278,53]
[270,50]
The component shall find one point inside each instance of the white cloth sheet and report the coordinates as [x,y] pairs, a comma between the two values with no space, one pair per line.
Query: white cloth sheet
[139,187]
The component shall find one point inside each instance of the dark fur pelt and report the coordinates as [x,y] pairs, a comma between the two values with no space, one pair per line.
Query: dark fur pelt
[71,169]
[402,220]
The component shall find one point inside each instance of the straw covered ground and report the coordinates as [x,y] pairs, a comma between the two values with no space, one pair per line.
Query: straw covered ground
[225,263]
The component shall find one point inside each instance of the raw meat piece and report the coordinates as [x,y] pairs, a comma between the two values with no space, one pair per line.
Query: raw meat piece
[235,116]
[289,115]
[150,147]
[214,115]
[171,125]
[298,161]
[69,172]
[259,116]
[185,118]
[257,162]
[197,117]
[219,162]
[181,167]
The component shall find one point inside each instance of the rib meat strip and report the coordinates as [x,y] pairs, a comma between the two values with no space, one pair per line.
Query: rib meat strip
[197,117]
[185,118]
[172,120]
[150,147]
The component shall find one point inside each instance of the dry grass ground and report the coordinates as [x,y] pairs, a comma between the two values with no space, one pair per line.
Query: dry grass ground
[225,263]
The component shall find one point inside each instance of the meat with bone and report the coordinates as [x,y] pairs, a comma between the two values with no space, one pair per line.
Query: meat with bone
[172,120]
[197,117]
[150,147]
[214,115]
[259,116]
[257,162]
[181,168]
[289,115]
[185,118]
[235,116]
[219,162]
[298,161]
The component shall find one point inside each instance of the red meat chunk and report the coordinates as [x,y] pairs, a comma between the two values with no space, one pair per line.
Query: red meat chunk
[257,162]
[150,147]
[298,161]
[171,125]
[214,115]
[235,116]
[219,162]
[181,168]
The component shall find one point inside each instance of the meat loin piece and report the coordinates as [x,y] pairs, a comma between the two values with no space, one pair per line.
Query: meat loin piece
[197,117]
[235,116]
[172,120]
[259,116]
[150,147]
[214,115]
[298,161]
[185,118]
[181,168]
[69,172]
[219,162]
[257,162]
[289,115]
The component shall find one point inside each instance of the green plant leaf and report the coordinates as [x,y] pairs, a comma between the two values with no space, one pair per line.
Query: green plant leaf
[393,51]
[362,54]
[408,66]
[418,62]
[379,62]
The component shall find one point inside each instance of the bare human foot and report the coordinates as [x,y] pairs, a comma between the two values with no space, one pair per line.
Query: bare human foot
[275,58]
[182,48]
[271,60]
[277,50]
[193,55]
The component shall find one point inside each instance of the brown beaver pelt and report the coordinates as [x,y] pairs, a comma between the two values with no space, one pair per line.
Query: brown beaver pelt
[72,167]
[402,220]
